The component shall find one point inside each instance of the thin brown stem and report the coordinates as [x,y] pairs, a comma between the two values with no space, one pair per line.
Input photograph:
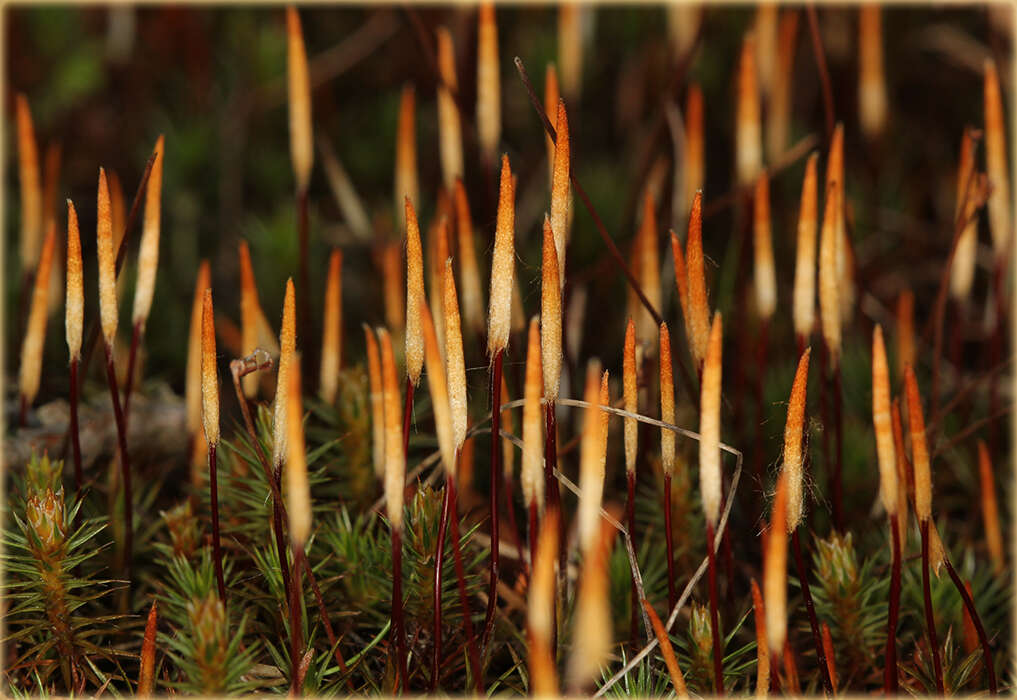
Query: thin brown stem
[296,627]
[810,609]
[439,557]
[718,649]
[496,478]
[464,601]
[553,494]
[930,618]
[630,519]
[216,547]
[824,74]
[329,632]
[75,436]
[238,370]
[398,628]
[890,682]
[612,248]
[125,465]
[971,429]
[979,628]
[669,540]
[131,359]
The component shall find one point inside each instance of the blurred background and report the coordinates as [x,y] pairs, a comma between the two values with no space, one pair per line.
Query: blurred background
[103,83]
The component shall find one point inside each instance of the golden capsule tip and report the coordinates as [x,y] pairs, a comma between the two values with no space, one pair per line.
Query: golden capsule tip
[919,447]
[881,420]
[793,431]
[298,492]
[74,297]
[287,350]
[709,424]
[775,572]
[107,262]
[502,265]
[395,459]
[209,372]
[301,144]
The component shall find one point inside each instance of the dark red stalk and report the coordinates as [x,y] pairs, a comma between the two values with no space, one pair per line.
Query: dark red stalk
[329,632]
[397,609]
[75,437]
[810,609]
[890,683]
[669,540]
[718,650]
[930,618]
[439,556]
[238,369]
[125,465]
[551,482]
[630,520]
[131,359]
[407,413]
[216,548]
[296,632]
[553,495]
[775,675]
[977,621]
[464,601]
[725,543]
[801,342]
[496,478]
